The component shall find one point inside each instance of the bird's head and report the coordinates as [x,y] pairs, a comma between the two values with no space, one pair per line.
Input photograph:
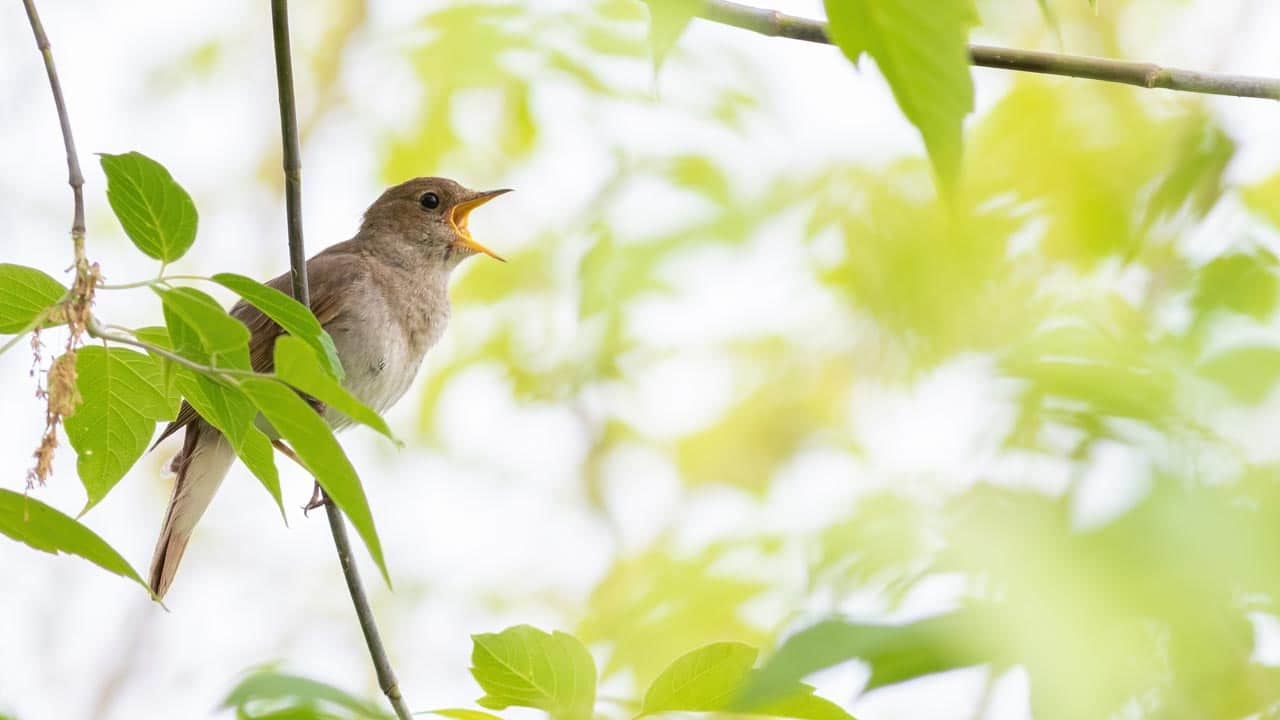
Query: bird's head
[431,214]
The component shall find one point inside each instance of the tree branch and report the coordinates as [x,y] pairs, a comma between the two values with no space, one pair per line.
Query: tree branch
[1141,74]
[298,269]
[75,179]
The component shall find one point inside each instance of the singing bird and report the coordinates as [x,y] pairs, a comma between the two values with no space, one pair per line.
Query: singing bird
[382,296]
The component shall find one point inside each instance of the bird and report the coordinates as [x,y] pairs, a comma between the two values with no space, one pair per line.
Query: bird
[382,296]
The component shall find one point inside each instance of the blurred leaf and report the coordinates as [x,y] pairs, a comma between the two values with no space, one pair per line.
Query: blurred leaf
[612,274]
[667,22]
[123,396]
[1095,164]
[270,694]
[288,314]
[1194,178]
[939,279]
[883,541]
[312,439]
[29,521]
[462,714]
[767,428]
[701,174]
[1249,372]
[651,608]
[895,652]
[925,57]
[25,292]
[155,211]
[1264,199]
[526,667]
[1239,282]
[297,365]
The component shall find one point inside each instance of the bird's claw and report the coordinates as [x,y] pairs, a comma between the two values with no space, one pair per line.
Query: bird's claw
[318,500]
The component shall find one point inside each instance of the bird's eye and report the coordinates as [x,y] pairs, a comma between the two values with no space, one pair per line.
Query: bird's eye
[430,201]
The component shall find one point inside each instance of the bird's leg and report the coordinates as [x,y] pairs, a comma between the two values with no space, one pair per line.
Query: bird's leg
[318,498]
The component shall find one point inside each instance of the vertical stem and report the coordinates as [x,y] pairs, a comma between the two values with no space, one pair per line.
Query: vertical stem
[301,292]
[292,154]
[75,179]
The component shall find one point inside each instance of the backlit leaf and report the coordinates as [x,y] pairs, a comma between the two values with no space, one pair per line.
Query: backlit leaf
[922,50]
[25,292]
[526,667]
[202,330]
[30,521]
[312,439]
[269,691]
[704,680]
[123,396]
[297,365]
[667,22]
[711,679]
[288,314]
[156,212]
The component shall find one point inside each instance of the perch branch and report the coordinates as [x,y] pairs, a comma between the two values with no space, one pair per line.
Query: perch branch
[1141,74]
[298,268]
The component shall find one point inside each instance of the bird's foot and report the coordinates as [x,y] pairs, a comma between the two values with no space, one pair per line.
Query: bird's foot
[318,499]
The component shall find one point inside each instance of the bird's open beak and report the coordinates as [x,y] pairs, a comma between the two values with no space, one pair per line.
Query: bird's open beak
[458,218]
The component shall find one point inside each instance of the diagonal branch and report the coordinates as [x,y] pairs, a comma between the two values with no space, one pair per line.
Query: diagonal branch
[298,268]
[1141,74]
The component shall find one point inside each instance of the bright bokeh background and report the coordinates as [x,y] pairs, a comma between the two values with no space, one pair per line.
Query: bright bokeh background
[742,372]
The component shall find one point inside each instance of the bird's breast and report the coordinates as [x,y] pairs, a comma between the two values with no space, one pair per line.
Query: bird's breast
[380,358]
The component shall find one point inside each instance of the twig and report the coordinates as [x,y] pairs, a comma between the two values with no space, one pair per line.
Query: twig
[1141,74]
[298,268]
[75,179]
[97,330]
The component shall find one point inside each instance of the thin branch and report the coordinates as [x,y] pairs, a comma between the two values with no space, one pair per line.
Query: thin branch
[75,179]
[301,293]
[1141,74]
[97,330]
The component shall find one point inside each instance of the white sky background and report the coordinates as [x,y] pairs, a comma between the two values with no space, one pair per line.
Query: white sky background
[492,532]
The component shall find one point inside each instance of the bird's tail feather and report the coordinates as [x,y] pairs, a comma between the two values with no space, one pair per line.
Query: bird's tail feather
[205,459]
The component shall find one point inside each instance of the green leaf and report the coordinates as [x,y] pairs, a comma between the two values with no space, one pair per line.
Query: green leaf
[30,521]
[288,314]
[896,653]
[711,679]
[159,336]
[1249,372]
[801,704]
[705,680]
[461,714]
[228,409]
[268,691]
[314,442]
[156,213]
[526,667]
[1238,282]
[667,22]
[297,365]
[123,396]
[922,50]
[203,331]
[25,292]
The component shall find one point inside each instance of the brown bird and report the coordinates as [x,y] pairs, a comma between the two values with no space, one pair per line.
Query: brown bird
[382,296]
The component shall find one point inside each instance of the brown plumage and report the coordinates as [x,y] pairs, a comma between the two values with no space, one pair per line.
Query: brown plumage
[382,296]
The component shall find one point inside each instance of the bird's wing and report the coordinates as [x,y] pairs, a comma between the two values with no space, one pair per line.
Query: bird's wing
[331,274]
